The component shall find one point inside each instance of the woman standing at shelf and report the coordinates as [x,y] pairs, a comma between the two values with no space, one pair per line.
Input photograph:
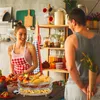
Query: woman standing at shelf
[22,54]
[82,40]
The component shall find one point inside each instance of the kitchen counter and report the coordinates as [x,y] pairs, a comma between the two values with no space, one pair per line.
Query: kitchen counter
[56,94]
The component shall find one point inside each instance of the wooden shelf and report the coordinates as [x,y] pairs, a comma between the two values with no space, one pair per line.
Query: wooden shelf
[93,28]
[52,48]
[49,27]
[52,26]
[56,70]
[4,22]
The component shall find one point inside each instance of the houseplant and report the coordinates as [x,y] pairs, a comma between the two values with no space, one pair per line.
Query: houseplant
[70,4]
[93,68]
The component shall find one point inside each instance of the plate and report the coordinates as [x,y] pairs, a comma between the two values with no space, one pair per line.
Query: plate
[11,95]
[8,97]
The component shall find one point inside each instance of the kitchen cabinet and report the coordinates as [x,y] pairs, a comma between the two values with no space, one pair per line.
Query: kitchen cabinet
[60,48]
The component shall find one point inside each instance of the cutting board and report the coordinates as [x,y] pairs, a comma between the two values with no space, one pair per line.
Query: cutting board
[28,20]
[20,14]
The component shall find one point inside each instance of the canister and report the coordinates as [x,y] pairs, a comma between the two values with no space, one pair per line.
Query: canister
[59,17]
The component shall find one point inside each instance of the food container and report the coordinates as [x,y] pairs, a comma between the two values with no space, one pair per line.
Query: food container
[39,90]
[35,92]
[52,59]
[46,42]
[30,89]
[59,65]
[59,18]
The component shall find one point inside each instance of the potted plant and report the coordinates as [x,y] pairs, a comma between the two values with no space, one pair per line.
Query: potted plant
[95,17]
[93,68]
[70,4]
[89,21]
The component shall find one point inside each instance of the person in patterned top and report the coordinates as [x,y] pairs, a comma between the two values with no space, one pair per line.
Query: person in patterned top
[23,57]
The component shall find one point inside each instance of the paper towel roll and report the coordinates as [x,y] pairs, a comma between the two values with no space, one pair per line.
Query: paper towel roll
[59,18]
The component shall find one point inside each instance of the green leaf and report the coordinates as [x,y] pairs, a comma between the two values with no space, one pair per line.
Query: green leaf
[89,63]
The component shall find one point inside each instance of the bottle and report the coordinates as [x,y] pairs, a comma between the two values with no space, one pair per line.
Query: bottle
[62,39]
[0,72]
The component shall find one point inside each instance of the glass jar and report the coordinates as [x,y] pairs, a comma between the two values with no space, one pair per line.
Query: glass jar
[61,45]
[55,39]
[62,37]
[46,42]
[52,65]
[56,43]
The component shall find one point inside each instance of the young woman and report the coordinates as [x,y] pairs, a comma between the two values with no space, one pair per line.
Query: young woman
[82,40]
[23,57]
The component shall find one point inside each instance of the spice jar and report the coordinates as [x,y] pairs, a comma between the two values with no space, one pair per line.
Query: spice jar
[55,39]
[46,42]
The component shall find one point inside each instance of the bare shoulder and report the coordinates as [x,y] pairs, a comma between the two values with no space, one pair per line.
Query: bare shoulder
[30,46]
[10,48]
[71,39]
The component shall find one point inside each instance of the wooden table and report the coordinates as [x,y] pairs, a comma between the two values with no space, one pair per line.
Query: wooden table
[56,94]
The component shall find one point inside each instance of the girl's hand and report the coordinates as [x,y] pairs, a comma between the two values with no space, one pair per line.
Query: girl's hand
[13,73]
[25,71]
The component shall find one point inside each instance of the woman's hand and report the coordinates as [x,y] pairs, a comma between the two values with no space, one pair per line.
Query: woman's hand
[24,72]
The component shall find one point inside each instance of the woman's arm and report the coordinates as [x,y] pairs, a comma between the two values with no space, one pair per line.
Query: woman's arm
[9,53]
[70,62]
[32,50]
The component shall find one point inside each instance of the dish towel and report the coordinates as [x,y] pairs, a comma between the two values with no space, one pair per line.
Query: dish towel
[39,68]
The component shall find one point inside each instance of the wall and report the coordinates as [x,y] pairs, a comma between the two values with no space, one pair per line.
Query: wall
[90,4]
[4,59]
[37,5]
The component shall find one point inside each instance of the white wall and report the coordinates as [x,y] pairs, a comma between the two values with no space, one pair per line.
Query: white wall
[90,4]
[37,5]
[4,59]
